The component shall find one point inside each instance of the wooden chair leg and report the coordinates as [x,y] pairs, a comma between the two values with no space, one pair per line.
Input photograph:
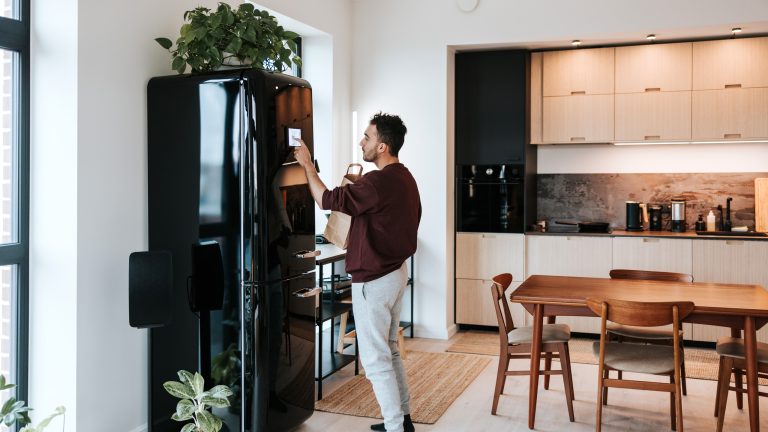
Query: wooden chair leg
[739,385]
[567,385]
[723,382]
[719,383]
[678,401]
[500,378]
[401,343]
[547,367]
[672,413]
[567,351]
[342,332]
[606,374]
[682,370]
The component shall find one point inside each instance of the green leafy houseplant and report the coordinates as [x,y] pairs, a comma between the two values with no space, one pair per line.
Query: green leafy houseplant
[246,35]
[195,401]
[14,411]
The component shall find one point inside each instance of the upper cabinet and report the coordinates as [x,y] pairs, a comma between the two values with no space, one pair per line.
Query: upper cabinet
[730,63]
[730,114]
[578,119]
[653,68]
[578,72]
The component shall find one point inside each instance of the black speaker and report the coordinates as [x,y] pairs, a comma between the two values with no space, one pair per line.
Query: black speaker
[207,289]
[150,283]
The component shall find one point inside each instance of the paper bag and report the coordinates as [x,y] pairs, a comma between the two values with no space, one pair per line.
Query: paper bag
[337,229]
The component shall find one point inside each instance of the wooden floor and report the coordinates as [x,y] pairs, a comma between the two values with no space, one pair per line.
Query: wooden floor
[628,410]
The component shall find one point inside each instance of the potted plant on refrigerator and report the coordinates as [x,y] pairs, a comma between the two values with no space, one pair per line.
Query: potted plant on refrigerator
[245,36]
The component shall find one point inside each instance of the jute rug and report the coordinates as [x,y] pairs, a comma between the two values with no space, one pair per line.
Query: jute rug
[435,381]
[700,363]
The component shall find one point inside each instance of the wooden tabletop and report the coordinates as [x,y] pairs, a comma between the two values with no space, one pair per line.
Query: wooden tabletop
[725,299]
[329,253]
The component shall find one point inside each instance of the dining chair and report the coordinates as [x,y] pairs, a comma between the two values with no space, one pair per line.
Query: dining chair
[515,343]
[648,335]
[732,360]
[640,358]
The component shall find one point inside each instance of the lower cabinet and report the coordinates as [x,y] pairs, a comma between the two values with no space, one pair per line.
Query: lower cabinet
[474,303]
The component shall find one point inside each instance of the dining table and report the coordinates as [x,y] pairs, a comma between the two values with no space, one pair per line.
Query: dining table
[740,307]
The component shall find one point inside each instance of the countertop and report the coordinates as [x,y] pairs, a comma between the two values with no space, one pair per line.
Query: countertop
[657,234]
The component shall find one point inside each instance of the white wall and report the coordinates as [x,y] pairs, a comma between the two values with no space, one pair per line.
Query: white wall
[401,64]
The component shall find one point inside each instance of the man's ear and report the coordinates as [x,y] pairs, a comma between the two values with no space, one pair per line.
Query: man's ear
[385,148]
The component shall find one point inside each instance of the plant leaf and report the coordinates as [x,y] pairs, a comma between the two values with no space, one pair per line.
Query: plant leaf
[246,7]
[206,421]
[185,408]
[197,384]
[188,428]
[177,417]
[290,35]
[215,402]
[178,389]
[185,377]
[164,42]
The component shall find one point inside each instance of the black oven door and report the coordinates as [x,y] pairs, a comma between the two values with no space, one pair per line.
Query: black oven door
[489,206]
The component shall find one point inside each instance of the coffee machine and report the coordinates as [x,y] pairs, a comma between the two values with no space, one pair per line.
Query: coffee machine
[678,215]
[654,217]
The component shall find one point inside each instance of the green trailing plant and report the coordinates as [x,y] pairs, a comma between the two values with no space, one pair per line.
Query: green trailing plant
[209,39]
[195,401]
[15,412]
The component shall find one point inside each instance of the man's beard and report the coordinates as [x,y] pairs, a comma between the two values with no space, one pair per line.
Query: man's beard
[367,158]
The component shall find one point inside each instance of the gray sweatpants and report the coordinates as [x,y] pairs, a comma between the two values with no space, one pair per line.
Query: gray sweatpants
[376,305]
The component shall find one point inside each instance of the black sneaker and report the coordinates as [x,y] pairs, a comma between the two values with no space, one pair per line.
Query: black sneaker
[407,425]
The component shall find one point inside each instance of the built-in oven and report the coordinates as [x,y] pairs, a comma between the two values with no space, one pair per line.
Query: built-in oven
[490,198]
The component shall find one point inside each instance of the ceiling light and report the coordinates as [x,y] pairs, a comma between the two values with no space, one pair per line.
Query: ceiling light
[576,42]
[651,37]
[736,30]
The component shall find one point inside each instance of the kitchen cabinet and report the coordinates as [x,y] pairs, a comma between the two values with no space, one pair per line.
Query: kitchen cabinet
[654,254]
[589,256]
[729,261]
[474,304]
[484,255]
[730,63]
[578,72]
[738,113]
[480,257]
[653,68]
[536,95]
[653,116]
[577,119]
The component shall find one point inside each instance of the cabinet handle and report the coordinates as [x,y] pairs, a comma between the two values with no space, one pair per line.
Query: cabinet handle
[734,242]
[653,137]
[653,89]
[650,240]
[733,86]
[573,139]
[487,236]
[578,92]
[732,135]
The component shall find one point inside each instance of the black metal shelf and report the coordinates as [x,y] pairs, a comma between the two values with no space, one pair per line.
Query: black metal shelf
[328,310]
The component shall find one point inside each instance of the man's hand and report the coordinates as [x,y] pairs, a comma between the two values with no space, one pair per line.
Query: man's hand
[301,153]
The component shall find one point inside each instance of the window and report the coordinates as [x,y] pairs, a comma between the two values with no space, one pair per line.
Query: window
[14,191]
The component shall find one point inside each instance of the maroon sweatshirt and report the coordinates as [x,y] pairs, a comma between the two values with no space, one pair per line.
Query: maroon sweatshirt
[386,210]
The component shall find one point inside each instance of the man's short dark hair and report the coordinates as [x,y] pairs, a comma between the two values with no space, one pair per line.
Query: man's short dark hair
[391,130]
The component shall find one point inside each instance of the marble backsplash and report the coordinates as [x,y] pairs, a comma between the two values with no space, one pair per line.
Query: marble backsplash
[601,197]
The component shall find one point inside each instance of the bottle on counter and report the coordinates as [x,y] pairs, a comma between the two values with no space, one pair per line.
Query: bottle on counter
[700,224]
[711,221]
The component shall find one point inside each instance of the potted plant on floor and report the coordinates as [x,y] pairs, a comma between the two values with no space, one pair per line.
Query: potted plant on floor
[195,401]
[245,36]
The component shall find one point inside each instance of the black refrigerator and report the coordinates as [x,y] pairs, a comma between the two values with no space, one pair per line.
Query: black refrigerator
[231,204]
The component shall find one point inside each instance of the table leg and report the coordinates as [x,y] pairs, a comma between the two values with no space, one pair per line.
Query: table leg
[750,351]
[538,318]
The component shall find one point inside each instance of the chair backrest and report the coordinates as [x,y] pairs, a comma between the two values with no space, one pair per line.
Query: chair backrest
[641,314]
[650,275]
[498,288]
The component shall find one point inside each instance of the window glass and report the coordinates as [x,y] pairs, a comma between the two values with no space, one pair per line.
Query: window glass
[8,206]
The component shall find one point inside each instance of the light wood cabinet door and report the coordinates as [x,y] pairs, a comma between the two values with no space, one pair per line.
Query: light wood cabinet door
[474,304]
[577,255]
[662,67]
[578,119]
[654,254]
[730,63]
[730,114]
[653,116]
[578,71]
[484,255]
[729,261]
[536,95]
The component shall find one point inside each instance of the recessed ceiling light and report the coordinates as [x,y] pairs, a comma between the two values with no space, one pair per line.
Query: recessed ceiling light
[736,30]
[576,42]
[651,37]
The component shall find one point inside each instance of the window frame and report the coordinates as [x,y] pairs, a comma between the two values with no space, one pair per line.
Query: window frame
[15,36]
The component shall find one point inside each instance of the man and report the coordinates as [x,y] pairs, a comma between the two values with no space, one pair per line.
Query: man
[386,210]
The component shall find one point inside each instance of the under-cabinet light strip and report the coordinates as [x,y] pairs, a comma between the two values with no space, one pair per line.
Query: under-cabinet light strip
[689,142]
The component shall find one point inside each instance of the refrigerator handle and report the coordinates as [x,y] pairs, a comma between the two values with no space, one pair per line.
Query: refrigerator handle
[306,254]
[307,292]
